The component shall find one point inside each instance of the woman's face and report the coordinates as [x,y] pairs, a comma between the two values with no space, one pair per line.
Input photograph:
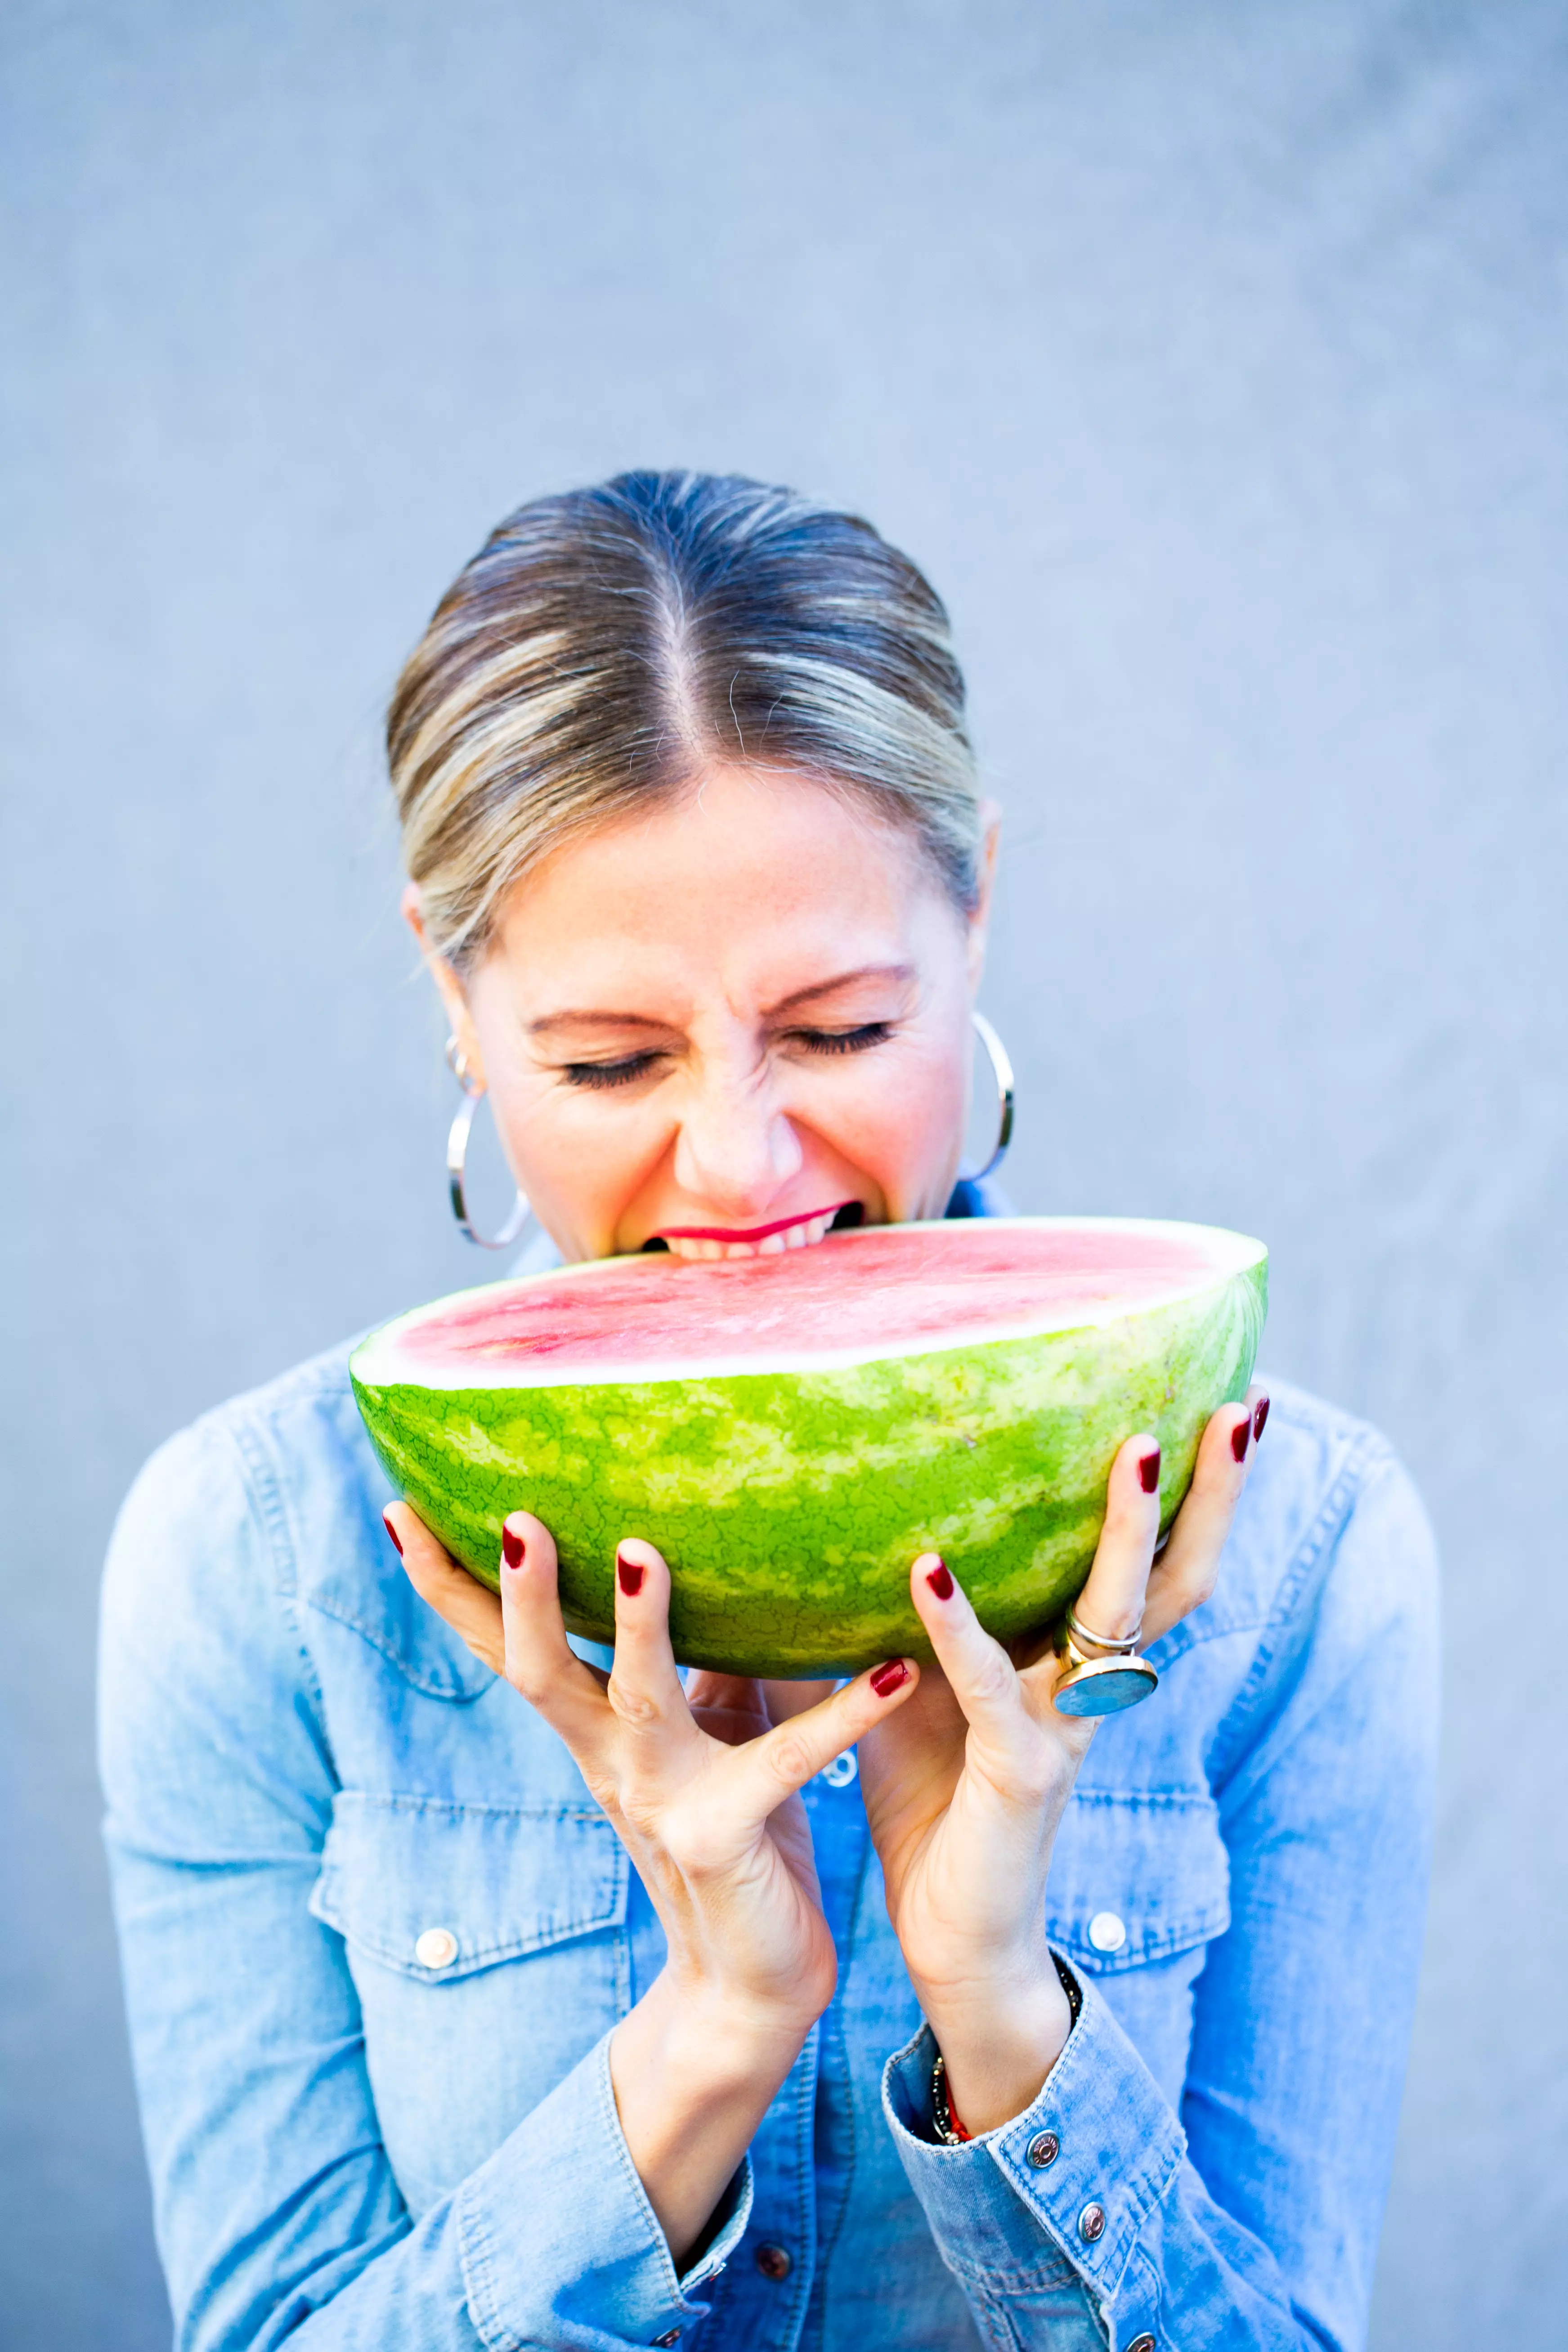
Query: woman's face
[723,1023]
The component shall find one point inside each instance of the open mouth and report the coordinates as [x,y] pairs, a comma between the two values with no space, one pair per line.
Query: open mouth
[758,1240]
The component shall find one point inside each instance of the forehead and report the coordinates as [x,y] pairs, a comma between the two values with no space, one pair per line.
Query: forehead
[746,872]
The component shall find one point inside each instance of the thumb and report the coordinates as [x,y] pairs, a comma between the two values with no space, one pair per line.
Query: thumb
[776,1766]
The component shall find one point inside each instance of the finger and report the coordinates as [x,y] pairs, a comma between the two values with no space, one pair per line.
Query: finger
[1112,1599]
[644,1687]
[785,1699]
[1185,1573]
[729,1707]
[768,1770]
[982,1678]
[470,1608]
[721,1702]
[729,1694]
[539,1662]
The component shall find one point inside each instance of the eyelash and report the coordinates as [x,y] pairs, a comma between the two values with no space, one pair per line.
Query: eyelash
[601,1076]
[845,1041]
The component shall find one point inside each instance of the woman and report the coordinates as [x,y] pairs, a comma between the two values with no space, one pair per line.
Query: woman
[481,1999]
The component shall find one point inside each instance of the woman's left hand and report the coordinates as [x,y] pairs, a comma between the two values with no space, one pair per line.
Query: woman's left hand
[964,1787]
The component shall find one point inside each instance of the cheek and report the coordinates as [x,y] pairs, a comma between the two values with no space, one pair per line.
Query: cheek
[578,1156]
[898,1113]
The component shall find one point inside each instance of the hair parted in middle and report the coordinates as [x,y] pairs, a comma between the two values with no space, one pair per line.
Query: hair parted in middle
[605,644]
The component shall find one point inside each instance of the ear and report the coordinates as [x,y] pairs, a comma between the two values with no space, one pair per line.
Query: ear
[980,920]
[448,987]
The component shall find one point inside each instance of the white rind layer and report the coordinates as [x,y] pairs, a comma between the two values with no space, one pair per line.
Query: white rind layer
[379,1361]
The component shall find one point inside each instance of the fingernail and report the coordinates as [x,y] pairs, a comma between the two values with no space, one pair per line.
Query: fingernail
[630,1573]
[1149,1470]
[512,1547]
[892,1676]
[939,1580]
[1239,1437]
[392,1531]
[1259,1417]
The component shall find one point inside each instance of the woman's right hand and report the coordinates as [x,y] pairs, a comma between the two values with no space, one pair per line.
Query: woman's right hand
[704,1789]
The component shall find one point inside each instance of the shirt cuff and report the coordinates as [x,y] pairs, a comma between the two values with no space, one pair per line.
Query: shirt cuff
[1080,2170]
[559,2242]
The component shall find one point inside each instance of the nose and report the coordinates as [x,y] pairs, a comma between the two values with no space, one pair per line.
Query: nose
[737,1149]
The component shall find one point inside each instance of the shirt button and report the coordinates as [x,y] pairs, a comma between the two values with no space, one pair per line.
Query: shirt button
[1142,2344]
[1091,2224]
[1107,1933]
[437,1949]
[842,1770]
[1043,2149]
[773,2263]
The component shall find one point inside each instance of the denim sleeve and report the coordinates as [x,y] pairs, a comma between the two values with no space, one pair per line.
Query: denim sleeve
[279,2219]
[1250,2220]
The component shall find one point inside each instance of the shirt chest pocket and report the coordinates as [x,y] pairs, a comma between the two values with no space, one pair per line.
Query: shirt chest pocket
[487,1946]
[1139,1888]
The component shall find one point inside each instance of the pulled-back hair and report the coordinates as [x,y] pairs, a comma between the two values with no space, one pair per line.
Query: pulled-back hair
[605,644]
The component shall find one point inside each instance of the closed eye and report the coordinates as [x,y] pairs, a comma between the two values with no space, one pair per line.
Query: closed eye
[843,1041]
[623,1073]
[630,1067]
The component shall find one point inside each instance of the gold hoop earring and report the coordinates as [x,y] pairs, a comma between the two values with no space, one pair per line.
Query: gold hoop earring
[462,1127]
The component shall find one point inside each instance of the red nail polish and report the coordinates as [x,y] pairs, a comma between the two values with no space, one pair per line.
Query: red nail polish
[1238,1439]
[631,1575]
[890,1677]
[392,1531]
[1149,1470]
[1259,1419]
[939,1580]
[512,1548]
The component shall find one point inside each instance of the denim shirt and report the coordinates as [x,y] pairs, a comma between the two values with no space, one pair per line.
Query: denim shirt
[376,1934]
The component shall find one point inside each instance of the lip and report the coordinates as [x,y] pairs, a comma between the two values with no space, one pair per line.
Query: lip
[746,1233]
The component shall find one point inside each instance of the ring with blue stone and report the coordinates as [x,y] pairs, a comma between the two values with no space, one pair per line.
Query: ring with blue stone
[1104,1676]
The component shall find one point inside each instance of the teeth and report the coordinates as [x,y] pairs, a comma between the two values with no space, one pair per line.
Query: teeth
[792,1237]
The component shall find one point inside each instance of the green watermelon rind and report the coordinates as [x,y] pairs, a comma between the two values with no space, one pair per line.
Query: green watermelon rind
[791,1503]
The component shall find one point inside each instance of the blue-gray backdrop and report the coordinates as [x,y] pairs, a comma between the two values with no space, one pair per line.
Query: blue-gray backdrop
[1213,359]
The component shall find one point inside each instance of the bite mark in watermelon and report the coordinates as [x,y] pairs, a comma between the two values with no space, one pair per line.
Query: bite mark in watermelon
[792,1431]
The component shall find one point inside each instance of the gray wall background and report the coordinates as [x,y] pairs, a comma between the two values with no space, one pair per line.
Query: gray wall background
[1213,359]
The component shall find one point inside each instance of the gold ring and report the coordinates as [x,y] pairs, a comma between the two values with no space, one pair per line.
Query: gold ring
[1102,1686]
[1118,1645]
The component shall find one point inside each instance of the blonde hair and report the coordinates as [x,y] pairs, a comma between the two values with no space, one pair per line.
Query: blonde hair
[604,644]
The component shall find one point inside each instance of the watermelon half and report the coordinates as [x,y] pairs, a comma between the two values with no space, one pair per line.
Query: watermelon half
[792,1431]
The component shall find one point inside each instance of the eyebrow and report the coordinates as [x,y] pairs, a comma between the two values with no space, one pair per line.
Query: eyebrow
[891,971]
[549,1022]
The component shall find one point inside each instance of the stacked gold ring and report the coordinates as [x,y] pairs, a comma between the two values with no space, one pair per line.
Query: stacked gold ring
[1122,1645]
[1104,1674]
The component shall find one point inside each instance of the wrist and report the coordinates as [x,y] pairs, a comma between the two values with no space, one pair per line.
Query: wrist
[998,2046]
[694,2070]
[716,2035]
